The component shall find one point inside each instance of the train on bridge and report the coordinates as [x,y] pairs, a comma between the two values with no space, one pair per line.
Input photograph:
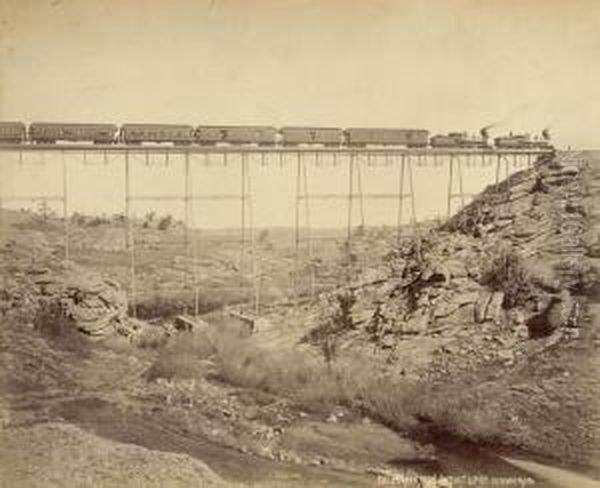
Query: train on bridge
[214,135]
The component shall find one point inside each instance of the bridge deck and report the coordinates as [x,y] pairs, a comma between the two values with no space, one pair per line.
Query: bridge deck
[193,149]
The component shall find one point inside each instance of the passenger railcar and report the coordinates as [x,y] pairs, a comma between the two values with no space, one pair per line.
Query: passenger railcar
[52,132]
[178,134]
[236,134]
[385,137]
[327,136]
[12,132]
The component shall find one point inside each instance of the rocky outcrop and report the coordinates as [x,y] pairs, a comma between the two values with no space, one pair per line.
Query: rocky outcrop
[513,258]
[542,212]
[36,280]
[98,307]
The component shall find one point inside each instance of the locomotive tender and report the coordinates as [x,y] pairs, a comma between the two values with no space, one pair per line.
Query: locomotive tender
[212,135]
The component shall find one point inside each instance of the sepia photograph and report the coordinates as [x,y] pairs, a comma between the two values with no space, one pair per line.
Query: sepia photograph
[299,243]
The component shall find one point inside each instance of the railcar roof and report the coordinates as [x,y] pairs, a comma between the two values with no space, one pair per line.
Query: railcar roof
[384,129]
[181,126]
[70,124]
[299,127]
[236,127]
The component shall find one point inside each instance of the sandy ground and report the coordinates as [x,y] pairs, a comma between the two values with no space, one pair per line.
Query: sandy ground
[59,454]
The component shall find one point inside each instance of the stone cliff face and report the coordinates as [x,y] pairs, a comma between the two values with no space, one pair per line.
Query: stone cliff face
[516,257]
[496,307]
[543,213]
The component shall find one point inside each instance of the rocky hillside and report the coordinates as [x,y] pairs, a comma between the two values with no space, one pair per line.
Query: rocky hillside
[492,307]
[518,255]
[544,214]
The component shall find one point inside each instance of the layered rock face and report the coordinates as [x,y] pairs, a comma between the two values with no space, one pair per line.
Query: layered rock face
[97,306]
[543,213]
[517,256]
[35,278]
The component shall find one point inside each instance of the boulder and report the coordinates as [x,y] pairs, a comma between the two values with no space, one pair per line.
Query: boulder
[95,305]
[388,341]
[462,315]
[456,268]
[448,305]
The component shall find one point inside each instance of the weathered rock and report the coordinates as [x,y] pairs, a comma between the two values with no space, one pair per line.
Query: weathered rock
[416,324]
[95,305]
[506,355]
[489,306]
[388,341]
[569,170]
[456,268]
[448,306]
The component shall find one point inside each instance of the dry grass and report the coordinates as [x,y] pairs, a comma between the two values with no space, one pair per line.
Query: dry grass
[455,410]
[315,386]
[181,358]
[243,361]
[60,331]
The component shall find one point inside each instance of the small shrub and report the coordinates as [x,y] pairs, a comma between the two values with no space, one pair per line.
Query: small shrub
[376,324]
[43,212]
[165,222]
[96,222]
[584,279]
[118,218]
[78,219]
[505,272]
[336,318]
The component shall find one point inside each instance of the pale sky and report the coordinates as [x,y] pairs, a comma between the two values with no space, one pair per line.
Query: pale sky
[438,65]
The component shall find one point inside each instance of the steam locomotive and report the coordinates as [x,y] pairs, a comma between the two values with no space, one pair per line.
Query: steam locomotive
[212,135]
